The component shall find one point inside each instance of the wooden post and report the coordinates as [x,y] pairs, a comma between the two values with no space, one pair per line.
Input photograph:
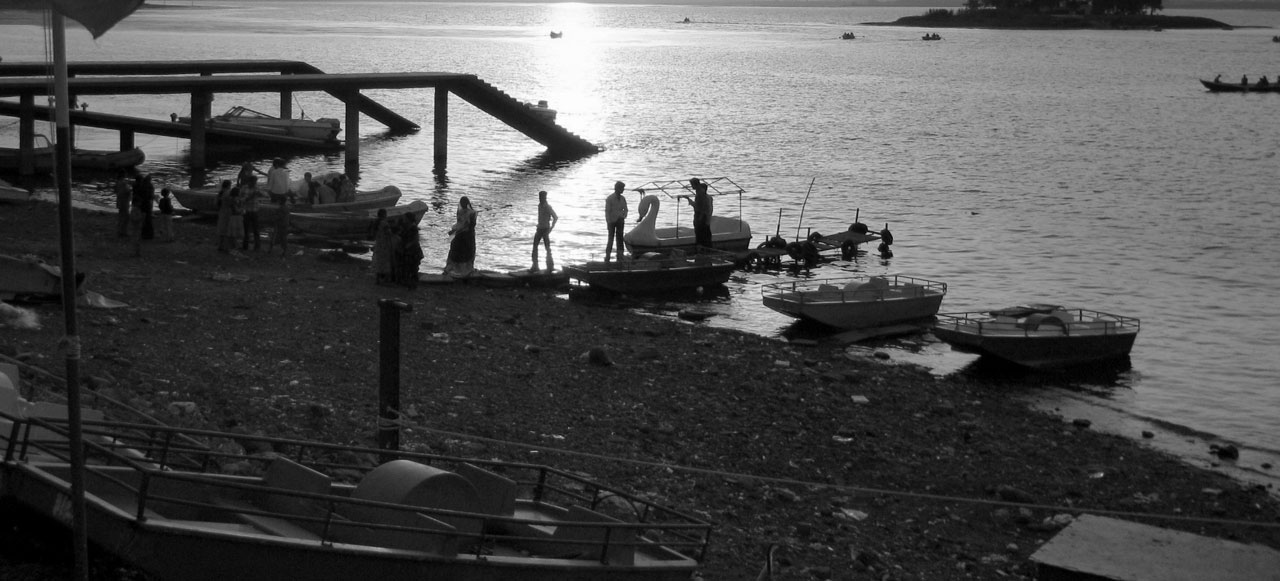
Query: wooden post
[199,114]
[389,310]
[27,135]
[126,139]
[441,129]
[286,104]
[352,137]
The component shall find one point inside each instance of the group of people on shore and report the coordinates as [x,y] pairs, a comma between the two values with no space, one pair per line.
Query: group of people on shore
[397,250]
[136,202]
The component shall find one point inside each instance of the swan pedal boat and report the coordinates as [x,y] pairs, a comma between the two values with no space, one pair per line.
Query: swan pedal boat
[1041,336]
[195,505]
[656,272]
[355,225]
[205,201]
[729,234]
[856,302]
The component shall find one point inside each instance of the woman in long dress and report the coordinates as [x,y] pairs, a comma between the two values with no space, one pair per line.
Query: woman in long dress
[462,249]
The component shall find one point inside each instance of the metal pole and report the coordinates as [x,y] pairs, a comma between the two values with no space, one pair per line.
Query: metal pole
[79,528]
[389,371]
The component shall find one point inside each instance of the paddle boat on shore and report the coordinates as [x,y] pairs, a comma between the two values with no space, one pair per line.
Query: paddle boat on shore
[245,119]
[351,225]
[729,234]
[197,505]
[1040,336]
[856,302]
[85,159]
[656,272]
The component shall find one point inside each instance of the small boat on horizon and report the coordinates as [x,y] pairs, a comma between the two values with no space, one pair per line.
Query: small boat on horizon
[1218,86]
[1040,335]
[856,302]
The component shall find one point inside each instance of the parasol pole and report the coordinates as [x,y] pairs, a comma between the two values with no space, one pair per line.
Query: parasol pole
[71,341]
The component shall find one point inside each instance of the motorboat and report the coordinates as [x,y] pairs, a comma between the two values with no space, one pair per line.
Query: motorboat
[1218,86]
[555,34]
[656,272]
[104,160]
[205,201]
[542,111]
[856,302]
[200,505]
[729,234]
[240,118]
[10,193]
[1039,335]
[351,225]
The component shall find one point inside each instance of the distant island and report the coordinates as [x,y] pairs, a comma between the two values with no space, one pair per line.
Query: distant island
[1055,14]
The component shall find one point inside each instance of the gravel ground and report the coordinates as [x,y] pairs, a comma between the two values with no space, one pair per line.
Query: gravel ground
[853,468]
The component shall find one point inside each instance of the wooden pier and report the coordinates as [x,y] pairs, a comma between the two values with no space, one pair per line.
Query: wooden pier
[203,79]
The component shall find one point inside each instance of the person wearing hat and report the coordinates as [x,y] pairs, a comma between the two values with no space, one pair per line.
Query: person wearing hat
[547,219]
[278,181]
[615,215]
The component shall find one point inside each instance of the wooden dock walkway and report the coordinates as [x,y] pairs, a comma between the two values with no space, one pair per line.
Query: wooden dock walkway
[203,79]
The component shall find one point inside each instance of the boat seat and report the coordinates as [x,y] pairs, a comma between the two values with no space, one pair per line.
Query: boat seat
[1035,321]
[286,474]
[415,484]
[497,492]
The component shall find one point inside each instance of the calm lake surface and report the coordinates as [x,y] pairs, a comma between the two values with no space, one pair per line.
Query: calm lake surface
[1079,167]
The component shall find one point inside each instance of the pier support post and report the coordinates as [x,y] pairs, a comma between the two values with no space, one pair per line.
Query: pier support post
[126,139]
[441,129]
[286,104]
[352,137]
[388,437]
[27,135]
[200,103]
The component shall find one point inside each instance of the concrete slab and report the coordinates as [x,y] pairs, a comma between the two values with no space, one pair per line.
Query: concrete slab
[1096,548]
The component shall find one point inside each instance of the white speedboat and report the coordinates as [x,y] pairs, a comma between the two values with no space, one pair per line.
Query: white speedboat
[1040,336]
[245,119]
[856,302]
[730,234]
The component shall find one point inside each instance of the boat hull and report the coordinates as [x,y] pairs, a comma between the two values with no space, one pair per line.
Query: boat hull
[1082,338]
[350,225]
[653,275]
[727,234]
[28,278]
[835,303]
[85,159]
[205,201]
[1220,87]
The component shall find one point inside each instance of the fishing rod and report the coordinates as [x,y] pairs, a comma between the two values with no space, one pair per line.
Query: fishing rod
[806,202]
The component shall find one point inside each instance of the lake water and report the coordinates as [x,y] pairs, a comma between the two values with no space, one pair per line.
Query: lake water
[1077,167]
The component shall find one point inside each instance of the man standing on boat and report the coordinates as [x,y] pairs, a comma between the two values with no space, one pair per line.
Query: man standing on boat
[615,215]
[278,181]
[702,207]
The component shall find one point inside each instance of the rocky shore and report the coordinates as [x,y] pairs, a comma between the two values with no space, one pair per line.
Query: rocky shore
[853,468]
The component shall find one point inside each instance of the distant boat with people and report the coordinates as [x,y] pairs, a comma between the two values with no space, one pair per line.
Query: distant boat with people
[555,34]
[847,36]
[931,36]
[1244,86]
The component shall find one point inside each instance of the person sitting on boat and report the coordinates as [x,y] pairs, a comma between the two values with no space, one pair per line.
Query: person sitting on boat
[325,193]
[1244,80]
[346,189]
[1263,82]
[1217,79]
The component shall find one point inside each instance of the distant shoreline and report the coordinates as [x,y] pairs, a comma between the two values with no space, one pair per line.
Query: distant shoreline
[940,18]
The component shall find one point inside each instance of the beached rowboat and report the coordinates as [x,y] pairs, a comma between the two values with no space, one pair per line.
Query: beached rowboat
[856,302]
[85,159]
[205,201]
[356,225]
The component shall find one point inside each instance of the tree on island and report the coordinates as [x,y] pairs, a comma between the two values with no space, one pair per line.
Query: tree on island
[1094,7]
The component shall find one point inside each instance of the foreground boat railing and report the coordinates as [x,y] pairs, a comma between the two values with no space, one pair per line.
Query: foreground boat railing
[834,290]
[1077,322]
[143,461]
